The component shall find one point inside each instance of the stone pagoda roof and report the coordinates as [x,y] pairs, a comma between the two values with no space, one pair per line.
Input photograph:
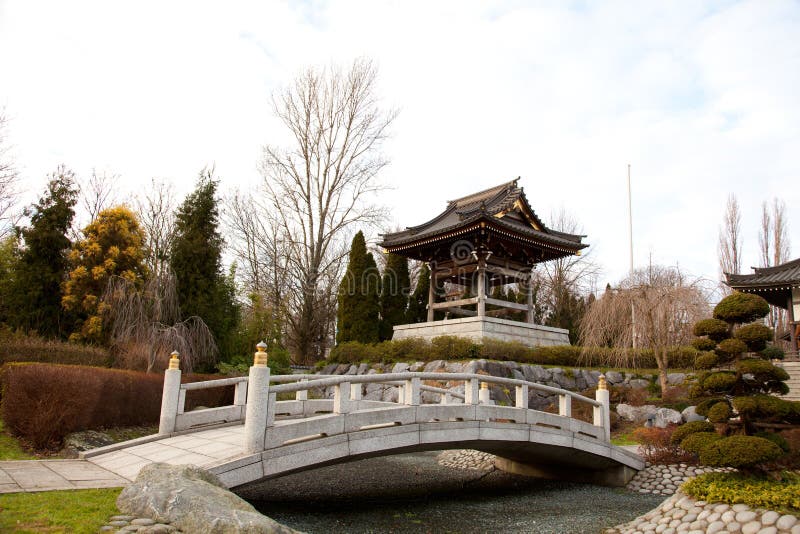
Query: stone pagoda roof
[772,283]
[504,206]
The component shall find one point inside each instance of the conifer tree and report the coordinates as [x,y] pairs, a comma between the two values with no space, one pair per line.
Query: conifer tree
[196,259]
[395,286]
[41,266]
[359,305]
[113,245]
[418,303]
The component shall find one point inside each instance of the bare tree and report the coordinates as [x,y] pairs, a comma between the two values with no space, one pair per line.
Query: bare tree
[156,211]
[8,184]
[730,239]
[98,193]
[321,186]
[145,326]
[258,247]
[667,304]
[774,248]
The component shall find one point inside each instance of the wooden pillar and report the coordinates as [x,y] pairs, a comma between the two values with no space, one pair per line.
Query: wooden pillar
[792,326]
[482,287]
[529,288]
[431,293]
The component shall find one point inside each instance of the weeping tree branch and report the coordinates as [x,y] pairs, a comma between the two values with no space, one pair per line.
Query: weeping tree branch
[145,326]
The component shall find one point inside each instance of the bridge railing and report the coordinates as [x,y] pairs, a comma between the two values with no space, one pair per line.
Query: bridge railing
[256,398]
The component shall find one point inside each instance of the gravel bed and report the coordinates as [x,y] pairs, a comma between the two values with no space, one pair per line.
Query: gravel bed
[416,493]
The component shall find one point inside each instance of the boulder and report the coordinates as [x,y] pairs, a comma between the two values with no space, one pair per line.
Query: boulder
[416,367]
[434,367]
[690,414]
[516,375]
[455,367]
[83,441]
[614,377]
[638,383]
[363,368]
[193,500]
[400,367]
[666,416]
[353,370]
[636,414]
[676,379]
[329,369]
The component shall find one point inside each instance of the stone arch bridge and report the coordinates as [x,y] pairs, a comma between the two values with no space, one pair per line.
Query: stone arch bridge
[260,437]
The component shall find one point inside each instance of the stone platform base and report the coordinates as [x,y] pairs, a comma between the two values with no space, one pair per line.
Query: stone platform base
[478,328]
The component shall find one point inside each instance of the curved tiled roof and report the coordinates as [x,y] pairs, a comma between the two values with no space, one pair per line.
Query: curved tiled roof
[784,275]
[490,205]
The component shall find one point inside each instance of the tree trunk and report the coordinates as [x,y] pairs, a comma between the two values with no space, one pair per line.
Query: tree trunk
[661,361]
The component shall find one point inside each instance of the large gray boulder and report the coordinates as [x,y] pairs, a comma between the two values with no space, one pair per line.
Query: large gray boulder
[667,416]
[676,379]
[636,414]
[193,500]
[690,415]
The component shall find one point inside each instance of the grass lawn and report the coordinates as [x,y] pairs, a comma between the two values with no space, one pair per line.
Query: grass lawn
[77,511]
[10,448]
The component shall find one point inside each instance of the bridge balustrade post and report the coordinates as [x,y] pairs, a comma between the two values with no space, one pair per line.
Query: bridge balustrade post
[522,397]
[471,391]
[445,398]
[565,405]
[411,393]
[484,395]
[301,395]
[355,392]
[602,414]
[240,394]
[258,397]
[271,406]
[170,396]
[341,397]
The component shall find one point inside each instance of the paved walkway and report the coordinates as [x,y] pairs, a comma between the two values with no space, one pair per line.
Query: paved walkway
[118,468]
[47,475]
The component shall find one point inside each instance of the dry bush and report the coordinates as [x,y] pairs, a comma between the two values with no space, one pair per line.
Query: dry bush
[628,395]
[675,394]
[16,347]
[792,437]
[42,403]
[655,446]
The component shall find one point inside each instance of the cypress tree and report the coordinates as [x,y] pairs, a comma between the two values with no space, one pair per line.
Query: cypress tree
[359,305]
[395,286]
[418,303]
[196,259]
[42,262]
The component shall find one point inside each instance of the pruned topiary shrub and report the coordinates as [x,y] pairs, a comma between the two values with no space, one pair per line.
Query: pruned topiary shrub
[715,329]
[730,348]
[742,452]
[706,360]
[755,336]
[690,428]
[738,308]
[697,442]
[772,352]
[766,408]
[718,382]
[719,413]
[705,405]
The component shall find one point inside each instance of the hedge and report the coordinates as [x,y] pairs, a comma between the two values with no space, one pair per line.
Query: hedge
[42,403]
[740,452]
[456,348]
[733,488]
[683,431]
[19,348]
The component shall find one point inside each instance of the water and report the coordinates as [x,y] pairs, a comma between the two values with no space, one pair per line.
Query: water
[412,493]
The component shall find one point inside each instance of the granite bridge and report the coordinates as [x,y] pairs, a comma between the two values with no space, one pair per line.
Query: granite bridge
[260,437]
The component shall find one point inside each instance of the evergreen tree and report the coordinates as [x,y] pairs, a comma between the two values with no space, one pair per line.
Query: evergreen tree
[42,263]
[113,245]
[359,305]
[567,313]
[395,286]
[196,259]
[418,303]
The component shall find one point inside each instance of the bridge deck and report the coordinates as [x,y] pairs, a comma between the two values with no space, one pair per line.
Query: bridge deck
[204,448]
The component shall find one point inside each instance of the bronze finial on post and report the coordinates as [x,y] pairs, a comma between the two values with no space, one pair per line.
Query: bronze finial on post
[261,357]
[174,360]
[601,382]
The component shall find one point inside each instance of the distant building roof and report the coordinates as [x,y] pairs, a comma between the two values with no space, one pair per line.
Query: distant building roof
[773,283]
[504,206]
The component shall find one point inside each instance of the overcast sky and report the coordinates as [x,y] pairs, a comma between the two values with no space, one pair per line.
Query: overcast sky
[701,98]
